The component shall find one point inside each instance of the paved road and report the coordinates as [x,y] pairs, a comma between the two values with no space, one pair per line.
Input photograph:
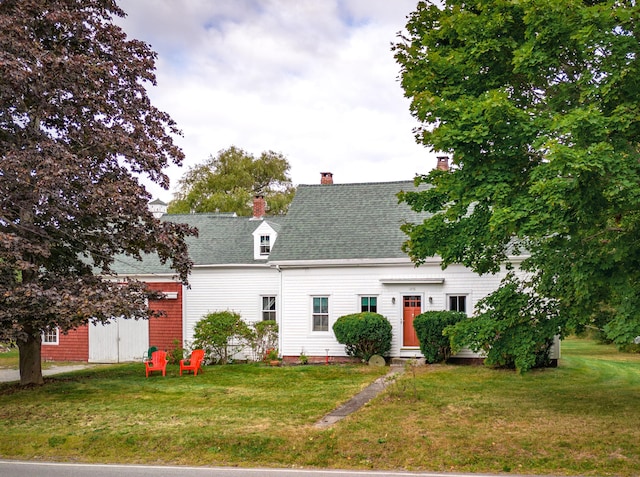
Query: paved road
[42,469]
[10,375]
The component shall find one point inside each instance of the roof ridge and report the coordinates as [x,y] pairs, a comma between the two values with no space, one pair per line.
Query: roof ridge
[221,215]
[406,181]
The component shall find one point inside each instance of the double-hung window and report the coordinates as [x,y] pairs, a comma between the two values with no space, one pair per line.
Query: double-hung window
[320,313]
[369,303]
[265,244]
[268,308]
[458,303]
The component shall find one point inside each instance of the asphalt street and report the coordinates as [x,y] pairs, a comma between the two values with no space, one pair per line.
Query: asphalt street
[44,469]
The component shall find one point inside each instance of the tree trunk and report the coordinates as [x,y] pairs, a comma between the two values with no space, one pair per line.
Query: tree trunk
[30,359]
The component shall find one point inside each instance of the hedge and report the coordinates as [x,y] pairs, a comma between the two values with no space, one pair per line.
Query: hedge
[429,326]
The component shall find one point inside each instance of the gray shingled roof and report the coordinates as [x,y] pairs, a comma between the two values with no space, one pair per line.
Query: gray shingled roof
[345,221]
[223,240]
[324,222]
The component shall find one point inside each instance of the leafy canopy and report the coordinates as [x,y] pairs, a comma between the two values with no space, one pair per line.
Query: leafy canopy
[229,181]
[513,328]
[77,130]
[538,101]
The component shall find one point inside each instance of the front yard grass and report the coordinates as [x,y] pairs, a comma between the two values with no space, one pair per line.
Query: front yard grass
[9,359]
[581,418]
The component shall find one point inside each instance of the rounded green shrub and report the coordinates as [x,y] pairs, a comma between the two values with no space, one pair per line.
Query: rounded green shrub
[364,334]
[429,326]
[221,335]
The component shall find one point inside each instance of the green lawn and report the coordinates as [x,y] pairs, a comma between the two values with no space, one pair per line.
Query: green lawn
[9,359]
[581,418]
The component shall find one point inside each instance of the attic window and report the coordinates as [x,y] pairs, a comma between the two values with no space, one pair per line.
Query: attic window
[265,245]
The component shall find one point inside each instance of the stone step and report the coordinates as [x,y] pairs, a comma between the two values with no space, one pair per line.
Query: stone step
[406,361]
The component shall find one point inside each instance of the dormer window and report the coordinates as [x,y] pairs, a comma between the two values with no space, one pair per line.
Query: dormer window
[264,238]
[265,244]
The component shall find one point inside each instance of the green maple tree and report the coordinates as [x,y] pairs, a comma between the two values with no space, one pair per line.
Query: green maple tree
[538,102]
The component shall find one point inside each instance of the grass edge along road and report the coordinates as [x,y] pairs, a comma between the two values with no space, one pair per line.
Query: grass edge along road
[578,419]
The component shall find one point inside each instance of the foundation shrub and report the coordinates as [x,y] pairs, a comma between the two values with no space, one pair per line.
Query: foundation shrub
[364,334]
[264,338]
[513,327]
[429,326]
[221,335]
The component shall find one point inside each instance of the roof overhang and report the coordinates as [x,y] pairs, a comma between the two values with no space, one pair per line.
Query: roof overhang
[232,265]
[412,281]
[341,262]
[144,277]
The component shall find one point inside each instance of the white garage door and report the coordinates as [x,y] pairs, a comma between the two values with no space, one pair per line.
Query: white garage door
[119,341]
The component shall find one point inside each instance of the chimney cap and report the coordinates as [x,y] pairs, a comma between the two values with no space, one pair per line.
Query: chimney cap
[259,206]
[443,163]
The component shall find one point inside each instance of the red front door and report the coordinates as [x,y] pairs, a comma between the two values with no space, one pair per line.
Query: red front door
[411,307]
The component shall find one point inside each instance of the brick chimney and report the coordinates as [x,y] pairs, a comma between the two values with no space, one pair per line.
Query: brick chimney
[326,178]
[259,207]
[443,163]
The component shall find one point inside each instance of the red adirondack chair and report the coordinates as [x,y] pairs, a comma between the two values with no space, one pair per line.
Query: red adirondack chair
[158,363]
[194,363]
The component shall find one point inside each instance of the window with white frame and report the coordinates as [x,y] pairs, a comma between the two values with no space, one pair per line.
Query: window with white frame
[50,336]
[458,303]
[265,244]
[369,303]
[320,313]
[268,308]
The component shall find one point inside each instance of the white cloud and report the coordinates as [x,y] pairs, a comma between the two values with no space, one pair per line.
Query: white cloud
[315,80]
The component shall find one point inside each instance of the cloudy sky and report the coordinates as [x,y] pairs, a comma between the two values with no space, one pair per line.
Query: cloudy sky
[312,79]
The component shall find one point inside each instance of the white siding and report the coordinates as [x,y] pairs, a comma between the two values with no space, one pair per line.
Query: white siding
[240,290]
[344,286]
[234,289]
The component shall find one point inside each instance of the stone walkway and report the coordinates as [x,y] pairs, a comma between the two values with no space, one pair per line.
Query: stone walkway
[360,399]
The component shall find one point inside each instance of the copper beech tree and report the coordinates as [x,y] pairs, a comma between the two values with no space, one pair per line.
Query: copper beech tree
[77,130]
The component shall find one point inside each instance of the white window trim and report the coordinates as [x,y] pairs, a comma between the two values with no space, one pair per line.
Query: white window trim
[328,330]
[51,343]
[467,301]
[368,295]
[262,309]
[268,237]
